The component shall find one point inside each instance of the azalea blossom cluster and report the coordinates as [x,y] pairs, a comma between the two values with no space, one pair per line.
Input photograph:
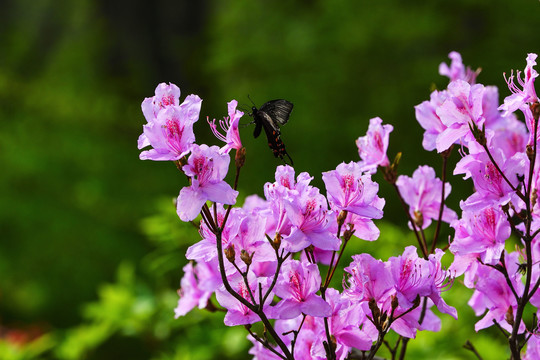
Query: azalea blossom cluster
[272,260]
[499,155]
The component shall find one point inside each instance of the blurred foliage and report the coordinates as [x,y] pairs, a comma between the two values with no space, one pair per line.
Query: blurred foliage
[72,76]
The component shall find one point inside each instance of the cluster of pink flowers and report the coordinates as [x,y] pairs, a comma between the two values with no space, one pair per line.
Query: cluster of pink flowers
[261,261]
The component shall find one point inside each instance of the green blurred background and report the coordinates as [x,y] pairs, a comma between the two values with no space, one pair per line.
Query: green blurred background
[91,251]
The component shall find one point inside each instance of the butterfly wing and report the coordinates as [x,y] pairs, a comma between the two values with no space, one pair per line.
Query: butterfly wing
[258,127]
[278,110]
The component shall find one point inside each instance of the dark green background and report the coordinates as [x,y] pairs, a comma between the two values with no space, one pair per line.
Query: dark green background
[73,74]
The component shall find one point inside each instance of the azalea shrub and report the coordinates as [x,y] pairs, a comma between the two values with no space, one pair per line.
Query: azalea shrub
[270,264]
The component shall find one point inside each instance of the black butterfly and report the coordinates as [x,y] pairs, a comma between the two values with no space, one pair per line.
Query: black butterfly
[270,116]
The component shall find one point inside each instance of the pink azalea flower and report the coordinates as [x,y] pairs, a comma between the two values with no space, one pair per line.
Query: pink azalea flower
[525,93]
[369,279]
[349,189]
[493,294]
[509,135]
[310,222]
[238,313]
[207,168]
[285,187]
[481,233]
[343,324]
[196,287]
[372,147]
[462,107]
[170,133]
[422,193]
[411,277]
[297,285]
[364,228]
[230,126]
[205,250]
[457,70]
[440,280]
[414,276]
[426,115]
[491,188]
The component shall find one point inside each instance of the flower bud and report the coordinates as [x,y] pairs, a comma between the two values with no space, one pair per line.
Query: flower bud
[240,157]
[246,257]
[230,253]
[277,241]
[418,218]
[390,172]
[348,233]
[341,217]
[529,150]
[395,302]
[509,316]
[374,309]
[535,109]
[479,134]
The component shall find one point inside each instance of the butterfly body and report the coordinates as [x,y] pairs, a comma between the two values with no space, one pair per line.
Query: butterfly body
[269,117]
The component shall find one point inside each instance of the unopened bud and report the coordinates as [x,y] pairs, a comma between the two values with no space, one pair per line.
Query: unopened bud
[246,257]
[396,161]
[418,218]
[509,316]
[395,302]
[529,150]
[390,172]
[479,134]
[535,109]
[277,241]
[348,233]
[341,217]
[230,253]
[374,309]
[240,157]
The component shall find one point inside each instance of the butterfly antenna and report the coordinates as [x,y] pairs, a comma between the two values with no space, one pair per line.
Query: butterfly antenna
[251,101]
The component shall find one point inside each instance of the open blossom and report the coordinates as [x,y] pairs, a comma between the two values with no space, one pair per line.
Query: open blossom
[491,187]
[207,168]
[238,313]
[350,190]
[230,126]
[343,324]
[481,233]
[457,70]
[170,132]
[493,294]
[372,147]
[422,193]
[197,285]
[525,93]
[310,222]
[426,115]
[165,96]
[462,107]
[279,192]
[297,285]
